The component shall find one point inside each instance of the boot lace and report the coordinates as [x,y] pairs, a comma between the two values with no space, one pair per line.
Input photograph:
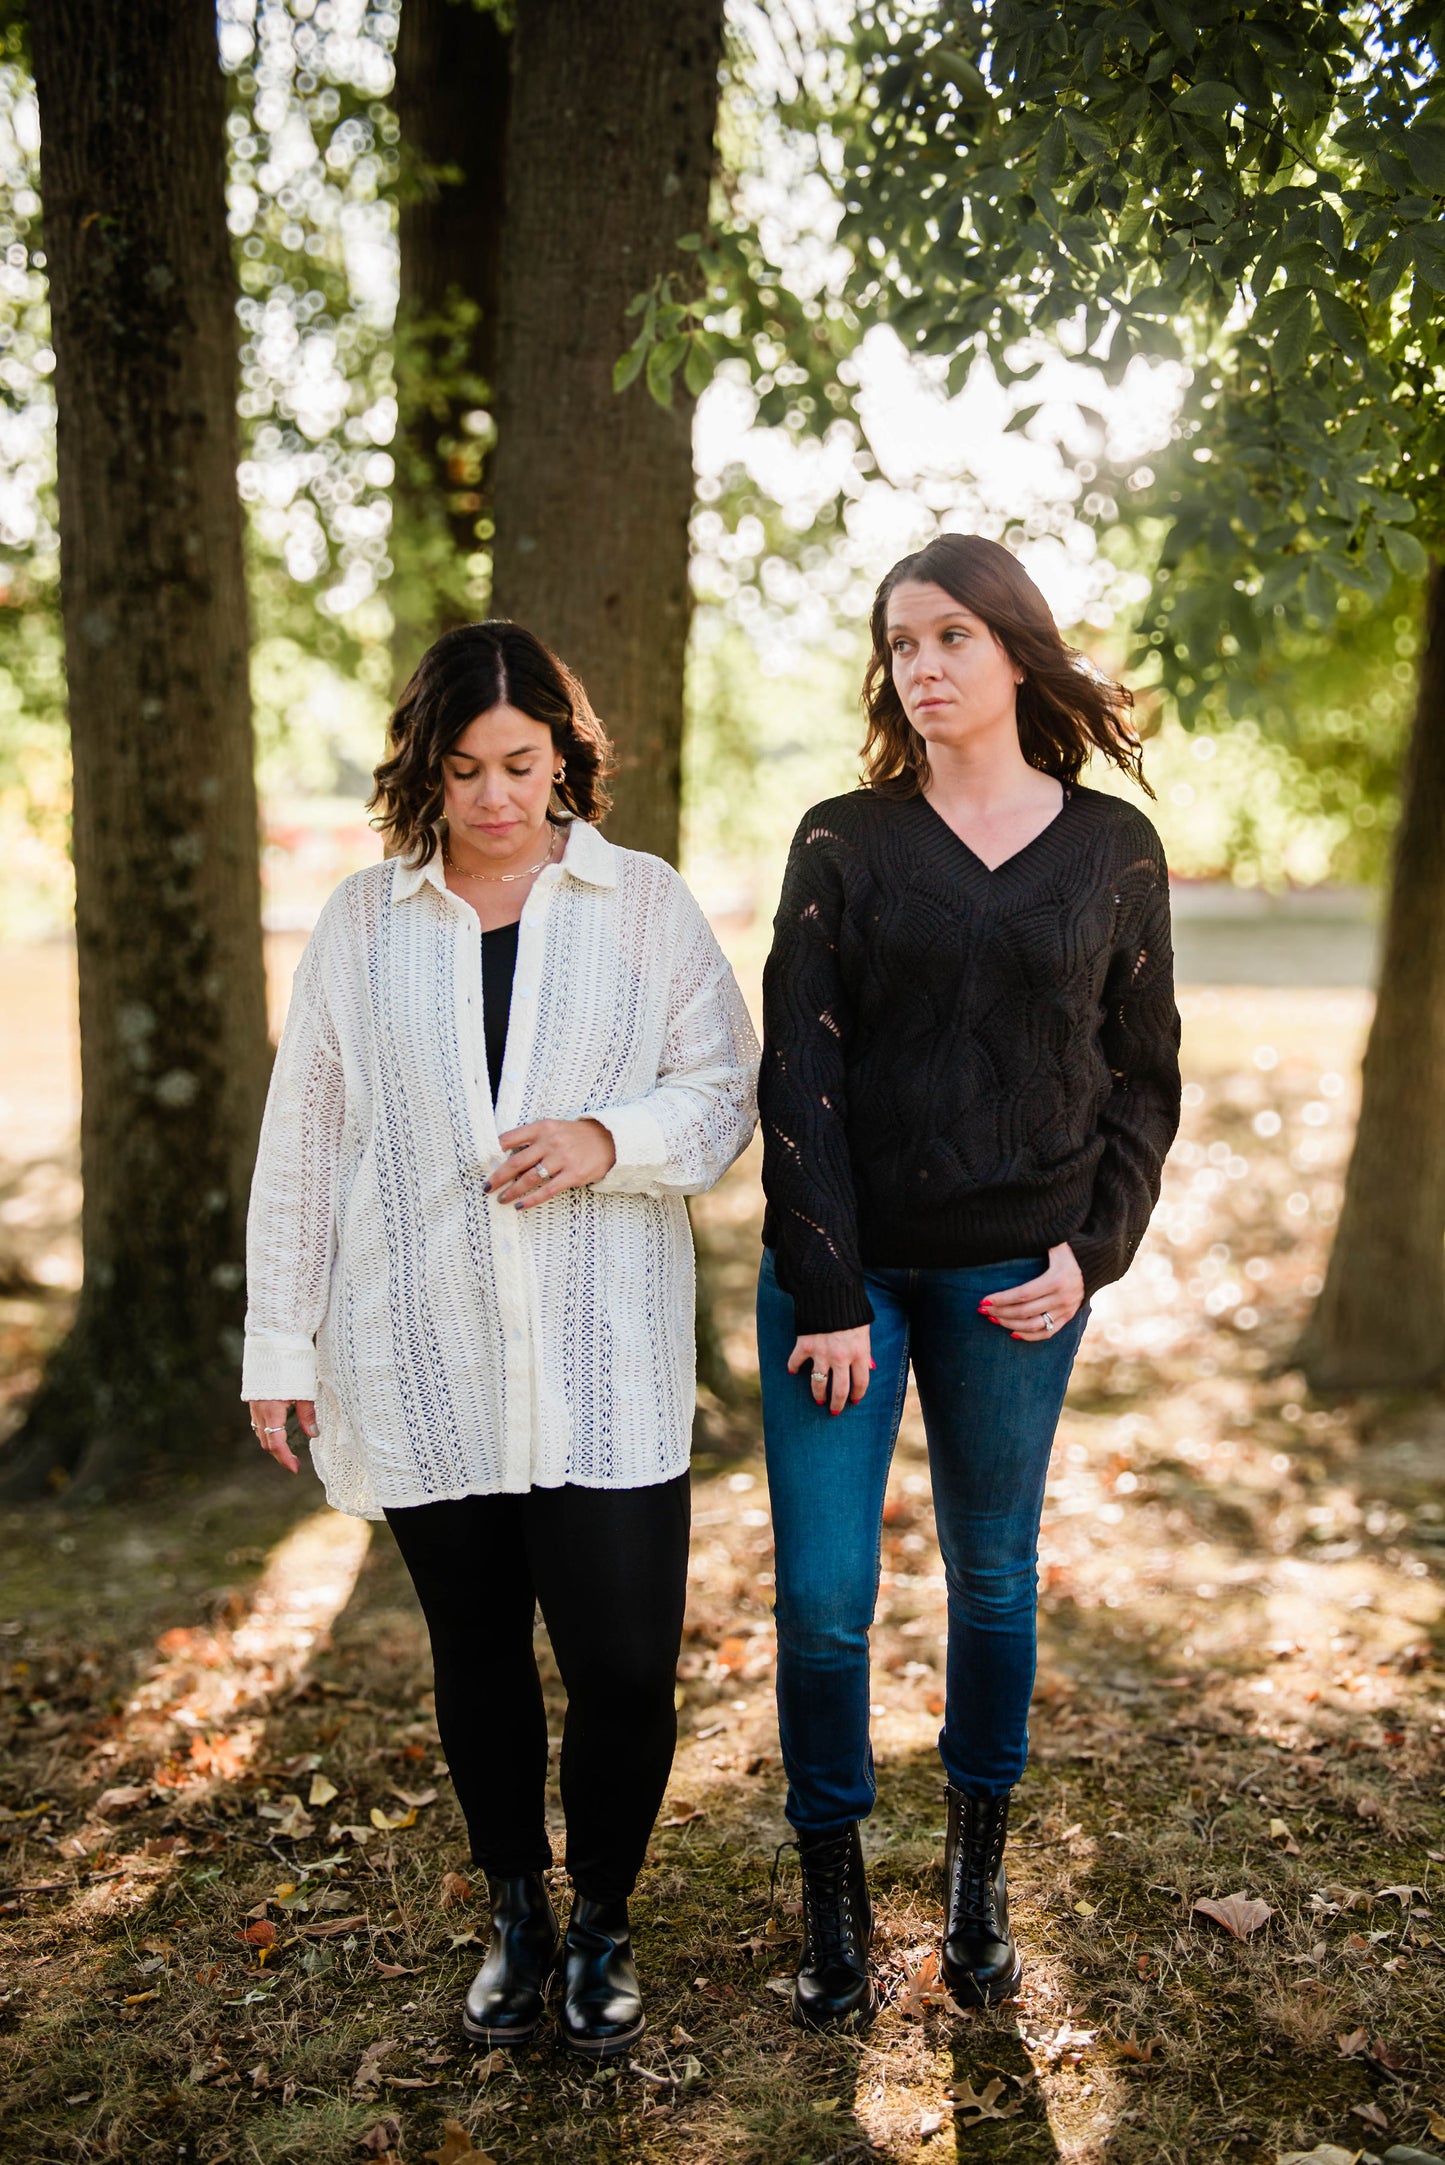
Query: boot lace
[982,1831]
[830,1927]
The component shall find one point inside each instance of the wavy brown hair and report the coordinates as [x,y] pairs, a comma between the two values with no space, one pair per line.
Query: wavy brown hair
[1066,709]
[465,673]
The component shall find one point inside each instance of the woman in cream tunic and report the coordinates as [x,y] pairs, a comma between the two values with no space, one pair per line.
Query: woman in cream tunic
[513,1049]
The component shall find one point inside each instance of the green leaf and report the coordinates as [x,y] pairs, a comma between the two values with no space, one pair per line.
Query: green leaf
[1290,335]
[1425,145]
[1177,24]
[627,367]
[1342,324]
[662,365]
[1090,141]
[1405,552]
[1052,152]
[697,368]
[1430,259]
[1214,101]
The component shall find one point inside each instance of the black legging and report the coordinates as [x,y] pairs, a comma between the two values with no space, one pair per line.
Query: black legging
[609,1567]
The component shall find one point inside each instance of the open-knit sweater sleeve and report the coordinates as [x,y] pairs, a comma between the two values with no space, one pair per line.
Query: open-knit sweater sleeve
[291,1231]
[802,1094]
[1139,1037]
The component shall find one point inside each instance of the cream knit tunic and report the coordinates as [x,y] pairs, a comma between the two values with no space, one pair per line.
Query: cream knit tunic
[456,1346]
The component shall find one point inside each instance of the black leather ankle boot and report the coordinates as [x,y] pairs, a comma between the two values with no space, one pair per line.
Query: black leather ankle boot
[601,1998]
[832,1985]
[509,1992]
[980,1961]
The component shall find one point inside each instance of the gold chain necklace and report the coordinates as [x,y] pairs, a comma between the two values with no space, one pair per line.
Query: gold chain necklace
[504,878]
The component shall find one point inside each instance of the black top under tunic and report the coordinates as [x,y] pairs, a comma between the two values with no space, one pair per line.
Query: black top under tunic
[961,1065]
[499,967]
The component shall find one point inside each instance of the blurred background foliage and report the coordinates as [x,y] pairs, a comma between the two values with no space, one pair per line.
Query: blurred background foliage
[806,490]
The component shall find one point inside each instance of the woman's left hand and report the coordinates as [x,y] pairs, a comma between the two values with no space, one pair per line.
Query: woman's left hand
[547,1156]
[1058,1295]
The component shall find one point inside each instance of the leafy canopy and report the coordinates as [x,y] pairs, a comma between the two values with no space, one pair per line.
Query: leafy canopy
[1257,189]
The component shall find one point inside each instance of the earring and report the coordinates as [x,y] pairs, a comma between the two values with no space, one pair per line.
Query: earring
[560,775]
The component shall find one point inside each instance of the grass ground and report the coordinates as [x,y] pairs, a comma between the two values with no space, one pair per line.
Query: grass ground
[1240,1693]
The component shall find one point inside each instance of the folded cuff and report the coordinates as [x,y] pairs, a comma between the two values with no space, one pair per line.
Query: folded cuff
[641,1146]
[273,1366]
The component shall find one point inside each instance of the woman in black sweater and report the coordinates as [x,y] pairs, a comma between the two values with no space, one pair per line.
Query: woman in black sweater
[970,1081]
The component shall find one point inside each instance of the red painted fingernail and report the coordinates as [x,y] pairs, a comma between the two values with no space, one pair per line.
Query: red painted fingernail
[1016,1334]
[872,1364]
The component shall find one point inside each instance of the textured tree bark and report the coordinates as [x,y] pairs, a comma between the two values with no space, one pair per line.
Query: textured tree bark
[609,161]
[174,1052]
[452,81]
[1380,1321]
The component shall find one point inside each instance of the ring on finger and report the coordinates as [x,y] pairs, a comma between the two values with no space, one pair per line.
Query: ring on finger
[543,1176]
[820,1381]
[1047,1320]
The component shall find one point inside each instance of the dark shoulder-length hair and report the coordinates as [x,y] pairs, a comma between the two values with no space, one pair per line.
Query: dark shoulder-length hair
[466,673]
[1066,709]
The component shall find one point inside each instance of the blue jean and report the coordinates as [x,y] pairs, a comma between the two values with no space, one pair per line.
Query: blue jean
[990,1407]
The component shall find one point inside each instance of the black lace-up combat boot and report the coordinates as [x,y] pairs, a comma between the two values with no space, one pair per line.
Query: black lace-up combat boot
[509,1992]
[833,1986]
[601,1998]
[980,1961]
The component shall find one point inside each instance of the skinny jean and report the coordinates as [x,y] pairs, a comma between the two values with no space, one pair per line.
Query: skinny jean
[990,1406]
[609,1570]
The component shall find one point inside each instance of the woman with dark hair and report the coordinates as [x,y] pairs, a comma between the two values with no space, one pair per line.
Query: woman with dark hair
[512,1050]
[970,1080]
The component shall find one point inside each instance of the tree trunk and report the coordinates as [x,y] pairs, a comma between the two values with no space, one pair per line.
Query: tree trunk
[609,164]
[451,102]
[1380,1321]
[174,1053]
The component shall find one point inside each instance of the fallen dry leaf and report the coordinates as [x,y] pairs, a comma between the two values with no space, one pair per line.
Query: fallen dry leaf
[922,1987]
[395,1969]
[124,1799]
[322,1791]
[260,1934]
[368,2067]
[290,1816]
[456,2148]
[491,2063]
[1371,2115]
[976,2108]
[454,1889]
[684,1813]
[1240,1914]
[330,1929]
[381,2140]
[1144,2053]
[1435,2121]
[1280,1835]
[1083,1908]
[416,1800]
[1403,1894]
[929,2123]
[1387,2055]
[391,1822]
[1352,2042]
[1324,2153]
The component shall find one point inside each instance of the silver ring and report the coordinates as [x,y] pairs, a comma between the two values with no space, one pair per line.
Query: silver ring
[1047,1320]
[541,1173]
[820,1378]
[275,1431]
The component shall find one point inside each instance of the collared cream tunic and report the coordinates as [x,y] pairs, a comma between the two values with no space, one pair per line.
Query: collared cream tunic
[453,1345]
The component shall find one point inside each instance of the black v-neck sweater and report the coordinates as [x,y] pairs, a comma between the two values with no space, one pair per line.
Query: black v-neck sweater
[961,1066]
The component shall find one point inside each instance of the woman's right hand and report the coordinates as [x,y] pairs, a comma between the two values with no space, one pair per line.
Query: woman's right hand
[840,1363]
[268,1419]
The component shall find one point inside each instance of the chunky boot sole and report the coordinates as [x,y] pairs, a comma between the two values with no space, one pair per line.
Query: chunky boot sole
[604,2048]
[857,2018]
[968,1992]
